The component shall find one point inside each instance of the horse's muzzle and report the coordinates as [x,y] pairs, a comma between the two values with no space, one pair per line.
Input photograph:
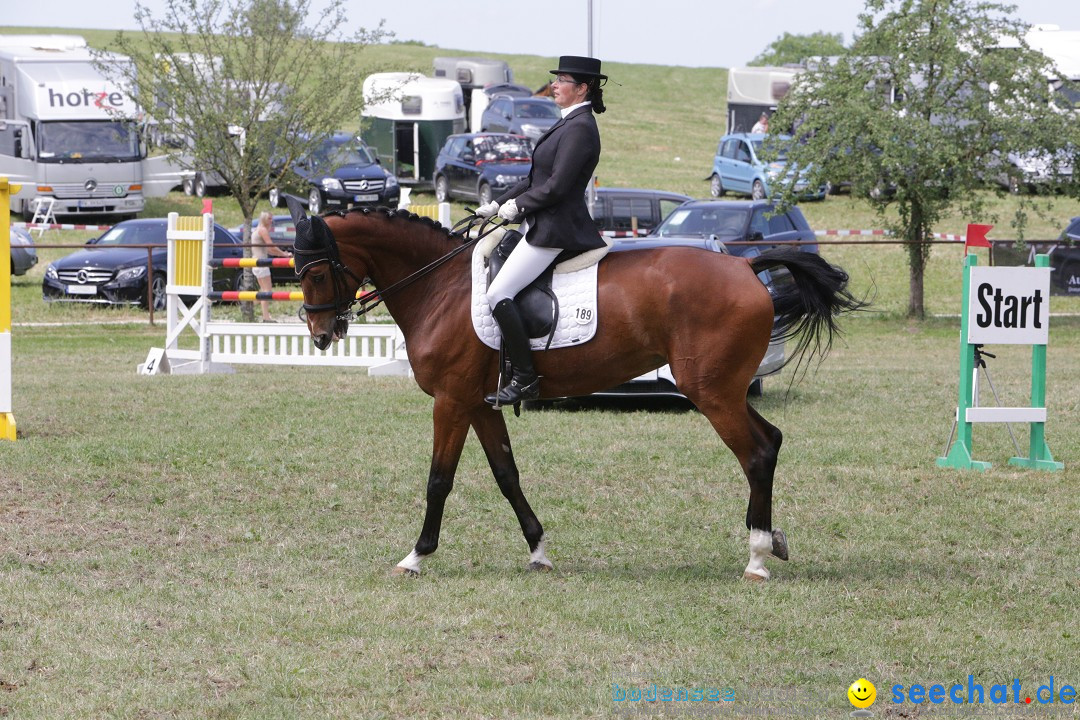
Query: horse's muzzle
[324,339]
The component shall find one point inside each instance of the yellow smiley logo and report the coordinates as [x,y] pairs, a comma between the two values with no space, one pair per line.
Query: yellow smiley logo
[862,693]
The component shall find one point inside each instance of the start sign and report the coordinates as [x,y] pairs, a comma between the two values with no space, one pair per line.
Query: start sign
[1009,305]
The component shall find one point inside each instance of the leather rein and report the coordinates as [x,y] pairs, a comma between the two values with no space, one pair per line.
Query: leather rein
[343,305]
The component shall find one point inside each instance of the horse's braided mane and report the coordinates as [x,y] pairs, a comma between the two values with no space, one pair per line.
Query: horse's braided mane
[404,214]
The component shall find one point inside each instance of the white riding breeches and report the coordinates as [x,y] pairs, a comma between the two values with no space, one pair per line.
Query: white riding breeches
[524,265]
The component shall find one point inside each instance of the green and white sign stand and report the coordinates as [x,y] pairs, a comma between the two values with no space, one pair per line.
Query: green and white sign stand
[1003,305]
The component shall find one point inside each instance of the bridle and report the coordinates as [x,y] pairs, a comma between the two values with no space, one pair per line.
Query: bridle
[313,253]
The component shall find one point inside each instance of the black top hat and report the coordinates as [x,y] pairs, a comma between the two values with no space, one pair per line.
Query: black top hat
[577,65]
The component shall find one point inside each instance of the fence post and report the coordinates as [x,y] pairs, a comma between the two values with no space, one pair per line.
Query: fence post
[7,417]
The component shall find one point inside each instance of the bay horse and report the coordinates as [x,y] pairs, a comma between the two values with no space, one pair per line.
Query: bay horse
[705,314]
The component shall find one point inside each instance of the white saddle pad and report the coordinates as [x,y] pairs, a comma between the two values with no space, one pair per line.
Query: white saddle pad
[574,283]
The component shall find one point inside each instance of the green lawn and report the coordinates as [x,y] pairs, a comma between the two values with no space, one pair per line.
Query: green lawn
[220,546]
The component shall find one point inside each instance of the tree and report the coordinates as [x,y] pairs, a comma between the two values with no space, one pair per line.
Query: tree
[921,111]
[791,49]
[250,86]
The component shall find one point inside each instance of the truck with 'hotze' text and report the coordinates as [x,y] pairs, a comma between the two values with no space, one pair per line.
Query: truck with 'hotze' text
[71,135]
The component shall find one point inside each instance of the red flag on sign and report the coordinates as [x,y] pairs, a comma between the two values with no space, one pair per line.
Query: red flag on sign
[208,207]
[976,236]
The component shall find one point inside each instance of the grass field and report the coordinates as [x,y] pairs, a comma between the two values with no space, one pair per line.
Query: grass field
[220,546]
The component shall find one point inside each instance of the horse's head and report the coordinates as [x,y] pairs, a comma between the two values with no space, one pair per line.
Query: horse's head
[329,286]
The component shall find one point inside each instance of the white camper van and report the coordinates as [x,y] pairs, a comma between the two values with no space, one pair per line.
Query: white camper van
[407,118]
[752,91]
[69,134]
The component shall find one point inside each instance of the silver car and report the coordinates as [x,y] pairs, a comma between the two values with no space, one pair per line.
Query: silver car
[23,254]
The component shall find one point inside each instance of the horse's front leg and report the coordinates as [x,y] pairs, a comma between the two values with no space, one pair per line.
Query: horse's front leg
[491,431]
[451,429]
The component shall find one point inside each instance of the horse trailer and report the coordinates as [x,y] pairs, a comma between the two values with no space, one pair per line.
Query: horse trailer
[406,120]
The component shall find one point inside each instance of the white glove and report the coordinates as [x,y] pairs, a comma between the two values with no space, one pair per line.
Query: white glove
[486,211]
[509,210]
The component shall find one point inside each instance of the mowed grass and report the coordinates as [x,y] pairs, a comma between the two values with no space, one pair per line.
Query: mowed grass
[220,546]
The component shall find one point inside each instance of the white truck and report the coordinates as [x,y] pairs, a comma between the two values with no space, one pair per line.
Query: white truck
[69,134]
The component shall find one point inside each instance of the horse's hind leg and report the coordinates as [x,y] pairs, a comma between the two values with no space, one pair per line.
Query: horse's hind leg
[450,433]
[491,430]
[756,444]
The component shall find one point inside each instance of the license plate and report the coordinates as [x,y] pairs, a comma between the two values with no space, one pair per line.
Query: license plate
[365,198]
[82,289]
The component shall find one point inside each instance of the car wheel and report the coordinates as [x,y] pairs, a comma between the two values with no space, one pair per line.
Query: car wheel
[188,186]
[274,197]
[1014,185]
[157,292]
[314,201]
[483,194]
[716,187]
[442,189]
[200,186]
[758,190]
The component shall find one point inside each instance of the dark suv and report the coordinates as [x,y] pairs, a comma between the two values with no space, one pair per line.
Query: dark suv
[340,173]
[480,166]
[618,211]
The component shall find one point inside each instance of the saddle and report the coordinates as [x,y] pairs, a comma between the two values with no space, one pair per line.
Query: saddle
[537,302]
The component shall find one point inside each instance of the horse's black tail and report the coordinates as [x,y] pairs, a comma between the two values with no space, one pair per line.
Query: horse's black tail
[806,307]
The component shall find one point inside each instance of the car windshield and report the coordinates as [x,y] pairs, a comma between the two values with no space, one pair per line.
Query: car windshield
[780,150]
[536,110]
[705,220]
[137,234]
[88,141]
[506,148]
[337,153]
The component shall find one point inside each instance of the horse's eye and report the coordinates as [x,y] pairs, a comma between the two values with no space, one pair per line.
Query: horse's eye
[318,278]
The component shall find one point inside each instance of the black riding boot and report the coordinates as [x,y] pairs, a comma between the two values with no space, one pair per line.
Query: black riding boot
[524,383]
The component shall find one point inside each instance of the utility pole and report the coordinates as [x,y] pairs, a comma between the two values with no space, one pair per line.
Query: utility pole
[590,52]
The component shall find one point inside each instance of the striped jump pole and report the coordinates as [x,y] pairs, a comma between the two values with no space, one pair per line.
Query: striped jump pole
[250,295]
[277,262]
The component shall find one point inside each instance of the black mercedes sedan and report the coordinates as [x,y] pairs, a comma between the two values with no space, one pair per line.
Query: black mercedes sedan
[115,270]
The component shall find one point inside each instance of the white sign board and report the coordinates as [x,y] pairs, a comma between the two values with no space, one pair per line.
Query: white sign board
[1009,306]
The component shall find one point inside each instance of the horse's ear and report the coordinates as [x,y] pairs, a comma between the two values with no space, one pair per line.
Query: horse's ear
[296,209]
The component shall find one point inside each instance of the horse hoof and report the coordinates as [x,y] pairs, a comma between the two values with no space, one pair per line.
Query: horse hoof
[539,567]
[779,544]
[754,577]
[404,572]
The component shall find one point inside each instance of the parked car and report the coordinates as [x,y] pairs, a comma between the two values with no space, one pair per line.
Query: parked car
[511,89]
[110,271]
[283,234]
[617,211]
[480,166]
[738,167]
[528,116]
[1030,172]
[342,172]
[23,253]
[744,227]
[1065,259]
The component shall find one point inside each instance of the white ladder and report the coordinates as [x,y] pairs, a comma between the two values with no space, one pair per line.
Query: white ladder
[43,214]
